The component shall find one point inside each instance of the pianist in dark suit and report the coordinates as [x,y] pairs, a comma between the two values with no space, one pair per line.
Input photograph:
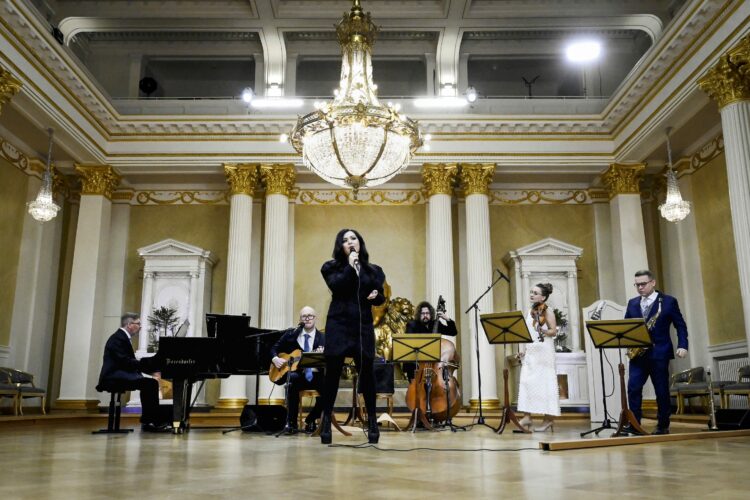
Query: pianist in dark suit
[356,285]
[121,371]
[307,338]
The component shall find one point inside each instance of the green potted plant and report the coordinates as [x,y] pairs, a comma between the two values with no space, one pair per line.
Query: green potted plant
[162,321]
[562,331]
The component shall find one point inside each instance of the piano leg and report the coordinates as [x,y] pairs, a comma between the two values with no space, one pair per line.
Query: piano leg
[179,393]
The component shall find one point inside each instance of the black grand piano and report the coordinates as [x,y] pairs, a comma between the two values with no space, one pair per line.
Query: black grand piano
[232,347]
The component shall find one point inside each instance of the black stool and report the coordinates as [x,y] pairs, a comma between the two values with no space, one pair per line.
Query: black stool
[113,418]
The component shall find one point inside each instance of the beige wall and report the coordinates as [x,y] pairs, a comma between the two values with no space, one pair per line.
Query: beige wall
[717,252]
[513,227]
[395,238]
[13,187]
[206,227]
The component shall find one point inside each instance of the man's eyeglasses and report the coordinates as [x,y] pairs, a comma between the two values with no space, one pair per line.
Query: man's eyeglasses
[641,285]
[307,316]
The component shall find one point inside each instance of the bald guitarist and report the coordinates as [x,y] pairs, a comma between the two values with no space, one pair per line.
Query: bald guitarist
[305,338]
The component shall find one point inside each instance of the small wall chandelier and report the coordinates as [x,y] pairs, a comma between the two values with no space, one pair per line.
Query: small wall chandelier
[354,141]
[44,208]
[674,208]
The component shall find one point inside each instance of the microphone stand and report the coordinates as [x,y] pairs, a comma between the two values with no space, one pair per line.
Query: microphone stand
[475,306]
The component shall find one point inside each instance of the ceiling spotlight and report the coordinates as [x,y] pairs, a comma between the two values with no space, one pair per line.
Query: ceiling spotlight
[583,51]
[471,94]
[247,94]
[283,137]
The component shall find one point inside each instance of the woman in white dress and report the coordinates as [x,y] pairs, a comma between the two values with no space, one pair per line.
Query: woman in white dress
[538,391]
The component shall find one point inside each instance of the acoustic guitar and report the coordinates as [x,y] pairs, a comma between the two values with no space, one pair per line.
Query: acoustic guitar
[278,375]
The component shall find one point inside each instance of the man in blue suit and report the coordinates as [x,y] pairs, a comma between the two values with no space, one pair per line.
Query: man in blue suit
[663,310]
[121,371]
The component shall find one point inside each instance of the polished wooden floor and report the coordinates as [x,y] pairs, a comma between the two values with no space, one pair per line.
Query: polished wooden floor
[59,458]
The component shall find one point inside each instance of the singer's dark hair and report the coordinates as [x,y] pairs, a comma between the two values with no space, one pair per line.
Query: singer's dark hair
[339,254]
[545,288]
[419,308]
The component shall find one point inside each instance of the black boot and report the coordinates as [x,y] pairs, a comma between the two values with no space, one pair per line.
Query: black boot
[325,429]
[373,432]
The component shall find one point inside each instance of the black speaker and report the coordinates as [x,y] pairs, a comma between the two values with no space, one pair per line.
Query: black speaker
[383,377]
[732,419]
[263,418]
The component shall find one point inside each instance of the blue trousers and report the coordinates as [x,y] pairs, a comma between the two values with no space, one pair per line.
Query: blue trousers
[641,369]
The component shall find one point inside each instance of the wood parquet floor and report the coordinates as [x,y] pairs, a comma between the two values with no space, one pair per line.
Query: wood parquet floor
[61,459]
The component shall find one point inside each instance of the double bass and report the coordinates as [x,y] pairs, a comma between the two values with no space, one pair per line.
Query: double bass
[434,384]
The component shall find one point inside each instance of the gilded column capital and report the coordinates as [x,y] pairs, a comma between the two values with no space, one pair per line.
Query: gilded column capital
[477,177]
[729,79]
[9,87]
[623,179]
[438,178]
[279,178]
[98,179]
[242,177]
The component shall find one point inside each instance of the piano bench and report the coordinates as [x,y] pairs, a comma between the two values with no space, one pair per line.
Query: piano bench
[113,416]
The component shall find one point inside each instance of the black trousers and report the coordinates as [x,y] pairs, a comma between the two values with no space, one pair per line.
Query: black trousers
[366,381]
[641,368]
[149,388]
[298,382]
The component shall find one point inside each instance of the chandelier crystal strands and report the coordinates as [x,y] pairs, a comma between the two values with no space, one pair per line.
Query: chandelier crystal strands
[354,141]
[674,208]
[44,208]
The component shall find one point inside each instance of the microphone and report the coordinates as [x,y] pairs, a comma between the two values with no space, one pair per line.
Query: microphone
[356,261]
[502,276]
[301,324]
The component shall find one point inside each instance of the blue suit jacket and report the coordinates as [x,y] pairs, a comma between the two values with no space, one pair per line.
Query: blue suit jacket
[670,315]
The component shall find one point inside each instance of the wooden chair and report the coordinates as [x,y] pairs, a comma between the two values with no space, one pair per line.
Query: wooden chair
[740,388]
[24,383]
[305,393]
[8,389]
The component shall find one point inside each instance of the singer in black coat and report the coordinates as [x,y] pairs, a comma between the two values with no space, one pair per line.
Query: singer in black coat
[349,329]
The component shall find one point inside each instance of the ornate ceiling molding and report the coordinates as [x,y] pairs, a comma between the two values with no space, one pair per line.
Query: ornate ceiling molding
[9,86]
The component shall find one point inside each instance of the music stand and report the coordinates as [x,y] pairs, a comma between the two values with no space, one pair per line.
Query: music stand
[416,348]
[317,360]
[506,328]
[616,334]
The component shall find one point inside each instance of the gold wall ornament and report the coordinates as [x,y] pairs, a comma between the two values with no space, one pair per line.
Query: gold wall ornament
[13,156]
[739,55]
[182,197]
[368,197]
[707,153]
[98,179]
[534,197]
[9,86]
[278,178]
[598,195]
[477,177]
[439,178]
[242,177]
[622,178]
[727,82]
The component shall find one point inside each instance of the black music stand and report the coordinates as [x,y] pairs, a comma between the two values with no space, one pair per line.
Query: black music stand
[506,328]
[616,334]
[317,360]
[415,348]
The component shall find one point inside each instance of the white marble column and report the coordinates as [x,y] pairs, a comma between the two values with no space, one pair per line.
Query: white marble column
[86,304]
[574,331]
[603,235]
[728,83]
[147,301]
[242,180]
[626,219]
[279,182]
[476,179]
[438,180]
[683,278]
[32,322]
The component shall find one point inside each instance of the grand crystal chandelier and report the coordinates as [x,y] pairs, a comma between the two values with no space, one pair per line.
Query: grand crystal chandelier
[674,208]
[354,141]
[44,208]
